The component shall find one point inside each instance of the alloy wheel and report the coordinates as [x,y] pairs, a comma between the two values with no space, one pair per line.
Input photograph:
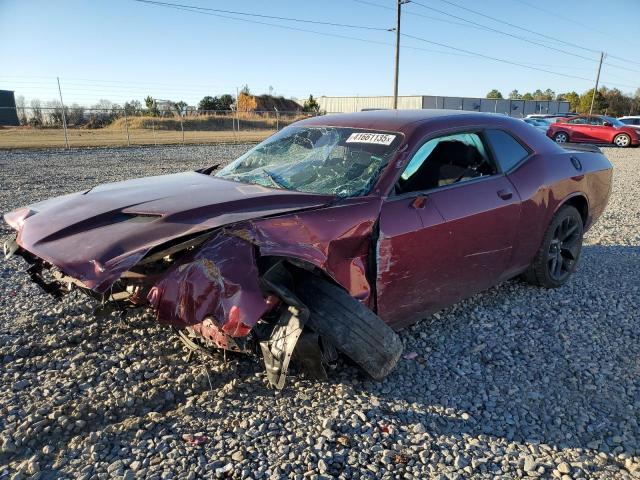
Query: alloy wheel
[561,138]
[564,249]
[621,140]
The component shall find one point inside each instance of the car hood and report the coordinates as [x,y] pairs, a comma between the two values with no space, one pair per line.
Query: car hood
[95,236]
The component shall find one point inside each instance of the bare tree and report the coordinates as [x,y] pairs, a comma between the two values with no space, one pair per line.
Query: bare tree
[21,109]
[36,119]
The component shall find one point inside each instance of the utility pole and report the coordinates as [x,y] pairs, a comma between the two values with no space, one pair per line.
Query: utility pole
[595,90]
[397,66]
[64,116]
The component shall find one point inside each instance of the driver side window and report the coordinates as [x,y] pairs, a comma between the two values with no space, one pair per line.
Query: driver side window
[444,161]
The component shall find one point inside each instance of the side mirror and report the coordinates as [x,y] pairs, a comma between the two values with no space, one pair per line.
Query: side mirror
[607,124]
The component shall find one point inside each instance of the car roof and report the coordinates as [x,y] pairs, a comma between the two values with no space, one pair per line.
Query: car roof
[628,116]
[396,120]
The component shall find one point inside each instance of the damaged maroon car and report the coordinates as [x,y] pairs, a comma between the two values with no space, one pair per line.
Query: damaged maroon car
[329,236]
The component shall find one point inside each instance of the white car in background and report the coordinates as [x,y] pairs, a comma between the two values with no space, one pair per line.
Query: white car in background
[633,121]
[541,124]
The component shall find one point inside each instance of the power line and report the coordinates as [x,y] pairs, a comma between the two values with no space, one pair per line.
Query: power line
[416,14]
[555,14]
[198,11]
[258,15]
[519,27]
[501,32]
[502,60]
[449,2]
[298,29]
[456,51]
[470,24]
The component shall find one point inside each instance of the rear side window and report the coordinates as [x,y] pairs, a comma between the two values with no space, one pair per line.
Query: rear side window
[507,149]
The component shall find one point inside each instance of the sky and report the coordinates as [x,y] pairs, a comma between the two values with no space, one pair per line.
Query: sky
[123,49]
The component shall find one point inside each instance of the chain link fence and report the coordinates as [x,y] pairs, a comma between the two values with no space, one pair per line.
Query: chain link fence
[74,126]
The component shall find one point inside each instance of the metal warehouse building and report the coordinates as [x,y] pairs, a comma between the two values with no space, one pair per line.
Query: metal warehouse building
[8,114]
[513,108]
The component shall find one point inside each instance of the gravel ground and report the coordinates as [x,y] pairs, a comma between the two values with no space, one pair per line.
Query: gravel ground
[517,381]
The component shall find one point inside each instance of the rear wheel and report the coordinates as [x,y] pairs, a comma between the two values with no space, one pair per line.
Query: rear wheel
[350,326]
[559,253]
[622,140]
[561,137]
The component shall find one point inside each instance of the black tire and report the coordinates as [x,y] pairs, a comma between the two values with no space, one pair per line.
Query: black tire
[351,327]
[561,137]
[559,253]
[622,140]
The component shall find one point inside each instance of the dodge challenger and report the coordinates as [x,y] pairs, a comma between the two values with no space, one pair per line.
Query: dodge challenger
[329,236]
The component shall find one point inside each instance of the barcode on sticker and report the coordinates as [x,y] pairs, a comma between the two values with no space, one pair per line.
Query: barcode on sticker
[377,138]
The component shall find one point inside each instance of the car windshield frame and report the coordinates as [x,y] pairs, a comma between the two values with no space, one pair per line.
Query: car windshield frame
[326,160]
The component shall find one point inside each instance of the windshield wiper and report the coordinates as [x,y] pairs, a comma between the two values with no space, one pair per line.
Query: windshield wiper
[274,179]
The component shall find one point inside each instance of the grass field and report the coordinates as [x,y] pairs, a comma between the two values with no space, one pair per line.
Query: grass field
[147,130]
[26,137]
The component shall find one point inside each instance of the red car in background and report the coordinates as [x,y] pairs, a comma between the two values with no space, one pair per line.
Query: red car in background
[593,129]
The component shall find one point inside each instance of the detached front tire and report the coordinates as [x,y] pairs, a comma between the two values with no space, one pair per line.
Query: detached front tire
[560,251]
[350,326]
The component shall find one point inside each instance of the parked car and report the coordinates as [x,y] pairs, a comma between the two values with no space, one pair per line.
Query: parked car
[332,234]
[552,115]
[539,123]
[632,121]
[594,129]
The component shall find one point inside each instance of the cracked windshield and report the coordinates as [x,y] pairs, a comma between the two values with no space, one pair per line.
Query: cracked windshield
[328,160]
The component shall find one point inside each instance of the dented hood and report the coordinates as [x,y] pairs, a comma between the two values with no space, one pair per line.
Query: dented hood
[97,235]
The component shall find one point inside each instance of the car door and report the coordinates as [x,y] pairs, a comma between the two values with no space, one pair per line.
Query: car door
[578,129]
[597,131]
[445,242]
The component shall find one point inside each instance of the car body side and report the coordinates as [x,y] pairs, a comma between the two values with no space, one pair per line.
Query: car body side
[344,241]
[218,288]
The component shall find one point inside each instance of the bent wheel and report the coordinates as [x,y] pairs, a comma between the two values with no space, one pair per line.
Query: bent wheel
[560,251]
[350,326]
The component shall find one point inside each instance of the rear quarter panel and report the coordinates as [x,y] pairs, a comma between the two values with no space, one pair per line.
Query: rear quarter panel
[547,181]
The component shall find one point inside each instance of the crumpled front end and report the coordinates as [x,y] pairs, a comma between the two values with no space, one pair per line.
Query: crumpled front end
[215,292]
[230,287]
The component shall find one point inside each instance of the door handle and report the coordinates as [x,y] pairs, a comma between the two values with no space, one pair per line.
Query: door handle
[505,193]
[419,202]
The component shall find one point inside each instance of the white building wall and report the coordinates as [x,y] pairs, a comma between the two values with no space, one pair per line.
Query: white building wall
[356,104]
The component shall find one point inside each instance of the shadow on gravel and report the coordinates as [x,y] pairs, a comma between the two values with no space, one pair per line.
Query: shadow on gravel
[562,369]
[518,363]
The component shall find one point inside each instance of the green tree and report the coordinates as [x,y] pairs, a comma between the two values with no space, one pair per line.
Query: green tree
[527,96]
[572,97]
[225,102]
[515,95]
[599,105]
[618,104]
[538,95]
[311,105]
[152,108]
[209,103]
[494,94]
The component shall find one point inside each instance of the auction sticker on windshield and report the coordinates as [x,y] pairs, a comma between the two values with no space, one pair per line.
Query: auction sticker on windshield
[377,138]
